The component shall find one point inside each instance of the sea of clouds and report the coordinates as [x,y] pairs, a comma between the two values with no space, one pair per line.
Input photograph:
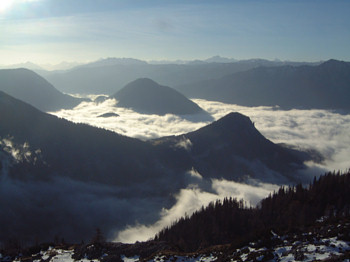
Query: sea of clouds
[322,130]
[325,131]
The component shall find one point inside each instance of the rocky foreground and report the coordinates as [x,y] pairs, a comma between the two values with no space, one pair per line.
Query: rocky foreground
[324,241]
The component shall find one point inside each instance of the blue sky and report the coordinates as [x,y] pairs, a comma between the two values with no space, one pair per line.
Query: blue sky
[51,31]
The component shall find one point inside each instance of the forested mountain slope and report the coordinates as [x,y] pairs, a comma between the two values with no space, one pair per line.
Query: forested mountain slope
[287,210]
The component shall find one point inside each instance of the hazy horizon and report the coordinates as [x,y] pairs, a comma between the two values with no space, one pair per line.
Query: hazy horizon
[52,31]
[66,65]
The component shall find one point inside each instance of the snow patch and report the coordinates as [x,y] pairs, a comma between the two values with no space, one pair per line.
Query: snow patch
[195,174]
[184,143]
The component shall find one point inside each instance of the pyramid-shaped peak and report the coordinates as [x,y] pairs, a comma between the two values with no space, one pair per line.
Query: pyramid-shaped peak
[146,96]
[143,83]
[233,126]
[233,120]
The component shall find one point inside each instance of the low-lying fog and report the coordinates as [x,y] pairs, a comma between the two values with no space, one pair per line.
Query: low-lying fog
[325,131]
[322,130]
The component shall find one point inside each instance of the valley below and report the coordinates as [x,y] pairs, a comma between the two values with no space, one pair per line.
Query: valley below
[131,171]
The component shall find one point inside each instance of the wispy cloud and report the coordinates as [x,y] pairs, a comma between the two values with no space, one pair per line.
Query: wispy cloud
[192,199]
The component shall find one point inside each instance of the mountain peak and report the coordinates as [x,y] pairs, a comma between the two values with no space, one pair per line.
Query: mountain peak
[145,82]
[231,125]
[113,61]
[225,147]
[146,96]
[233,118]
[220,59]
[334,63]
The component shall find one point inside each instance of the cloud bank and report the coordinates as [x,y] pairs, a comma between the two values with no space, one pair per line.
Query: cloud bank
[128,122]
[322,130]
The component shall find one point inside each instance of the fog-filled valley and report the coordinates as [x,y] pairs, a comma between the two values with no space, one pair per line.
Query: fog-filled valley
[297,128]
[136,159]
[174,131]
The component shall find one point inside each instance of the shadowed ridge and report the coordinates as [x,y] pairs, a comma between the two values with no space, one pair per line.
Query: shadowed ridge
[233,128]
[232,148]
[76,177]
[325,86]
[29,87]
[229,123]
[236,148]
[79,151]
[333,63]
[146,96]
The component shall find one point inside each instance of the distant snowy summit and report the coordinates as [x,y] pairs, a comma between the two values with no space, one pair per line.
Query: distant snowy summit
[146,96]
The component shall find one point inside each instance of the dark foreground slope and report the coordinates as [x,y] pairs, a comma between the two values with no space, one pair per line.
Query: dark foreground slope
[78,151]
[288,210]
[63,180]
[35,90]
[60,179]
[325,86]
[325,238]
[146,96]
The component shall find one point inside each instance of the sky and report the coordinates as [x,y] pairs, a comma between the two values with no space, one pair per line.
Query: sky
[52,31]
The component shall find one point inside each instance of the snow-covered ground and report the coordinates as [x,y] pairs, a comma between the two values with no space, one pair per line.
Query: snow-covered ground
[320,243]
[297,251]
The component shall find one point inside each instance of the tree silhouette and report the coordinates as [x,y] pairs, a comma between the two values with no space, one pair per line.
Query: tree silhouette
[288,209]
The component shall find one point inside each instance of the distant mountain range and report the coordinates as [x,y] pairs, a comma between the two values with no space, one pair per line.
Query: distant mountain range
[146,96]
[109,75]
[249,83]
[35,90]
[324,86]
[253,82]
[42,67]
[111,61]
